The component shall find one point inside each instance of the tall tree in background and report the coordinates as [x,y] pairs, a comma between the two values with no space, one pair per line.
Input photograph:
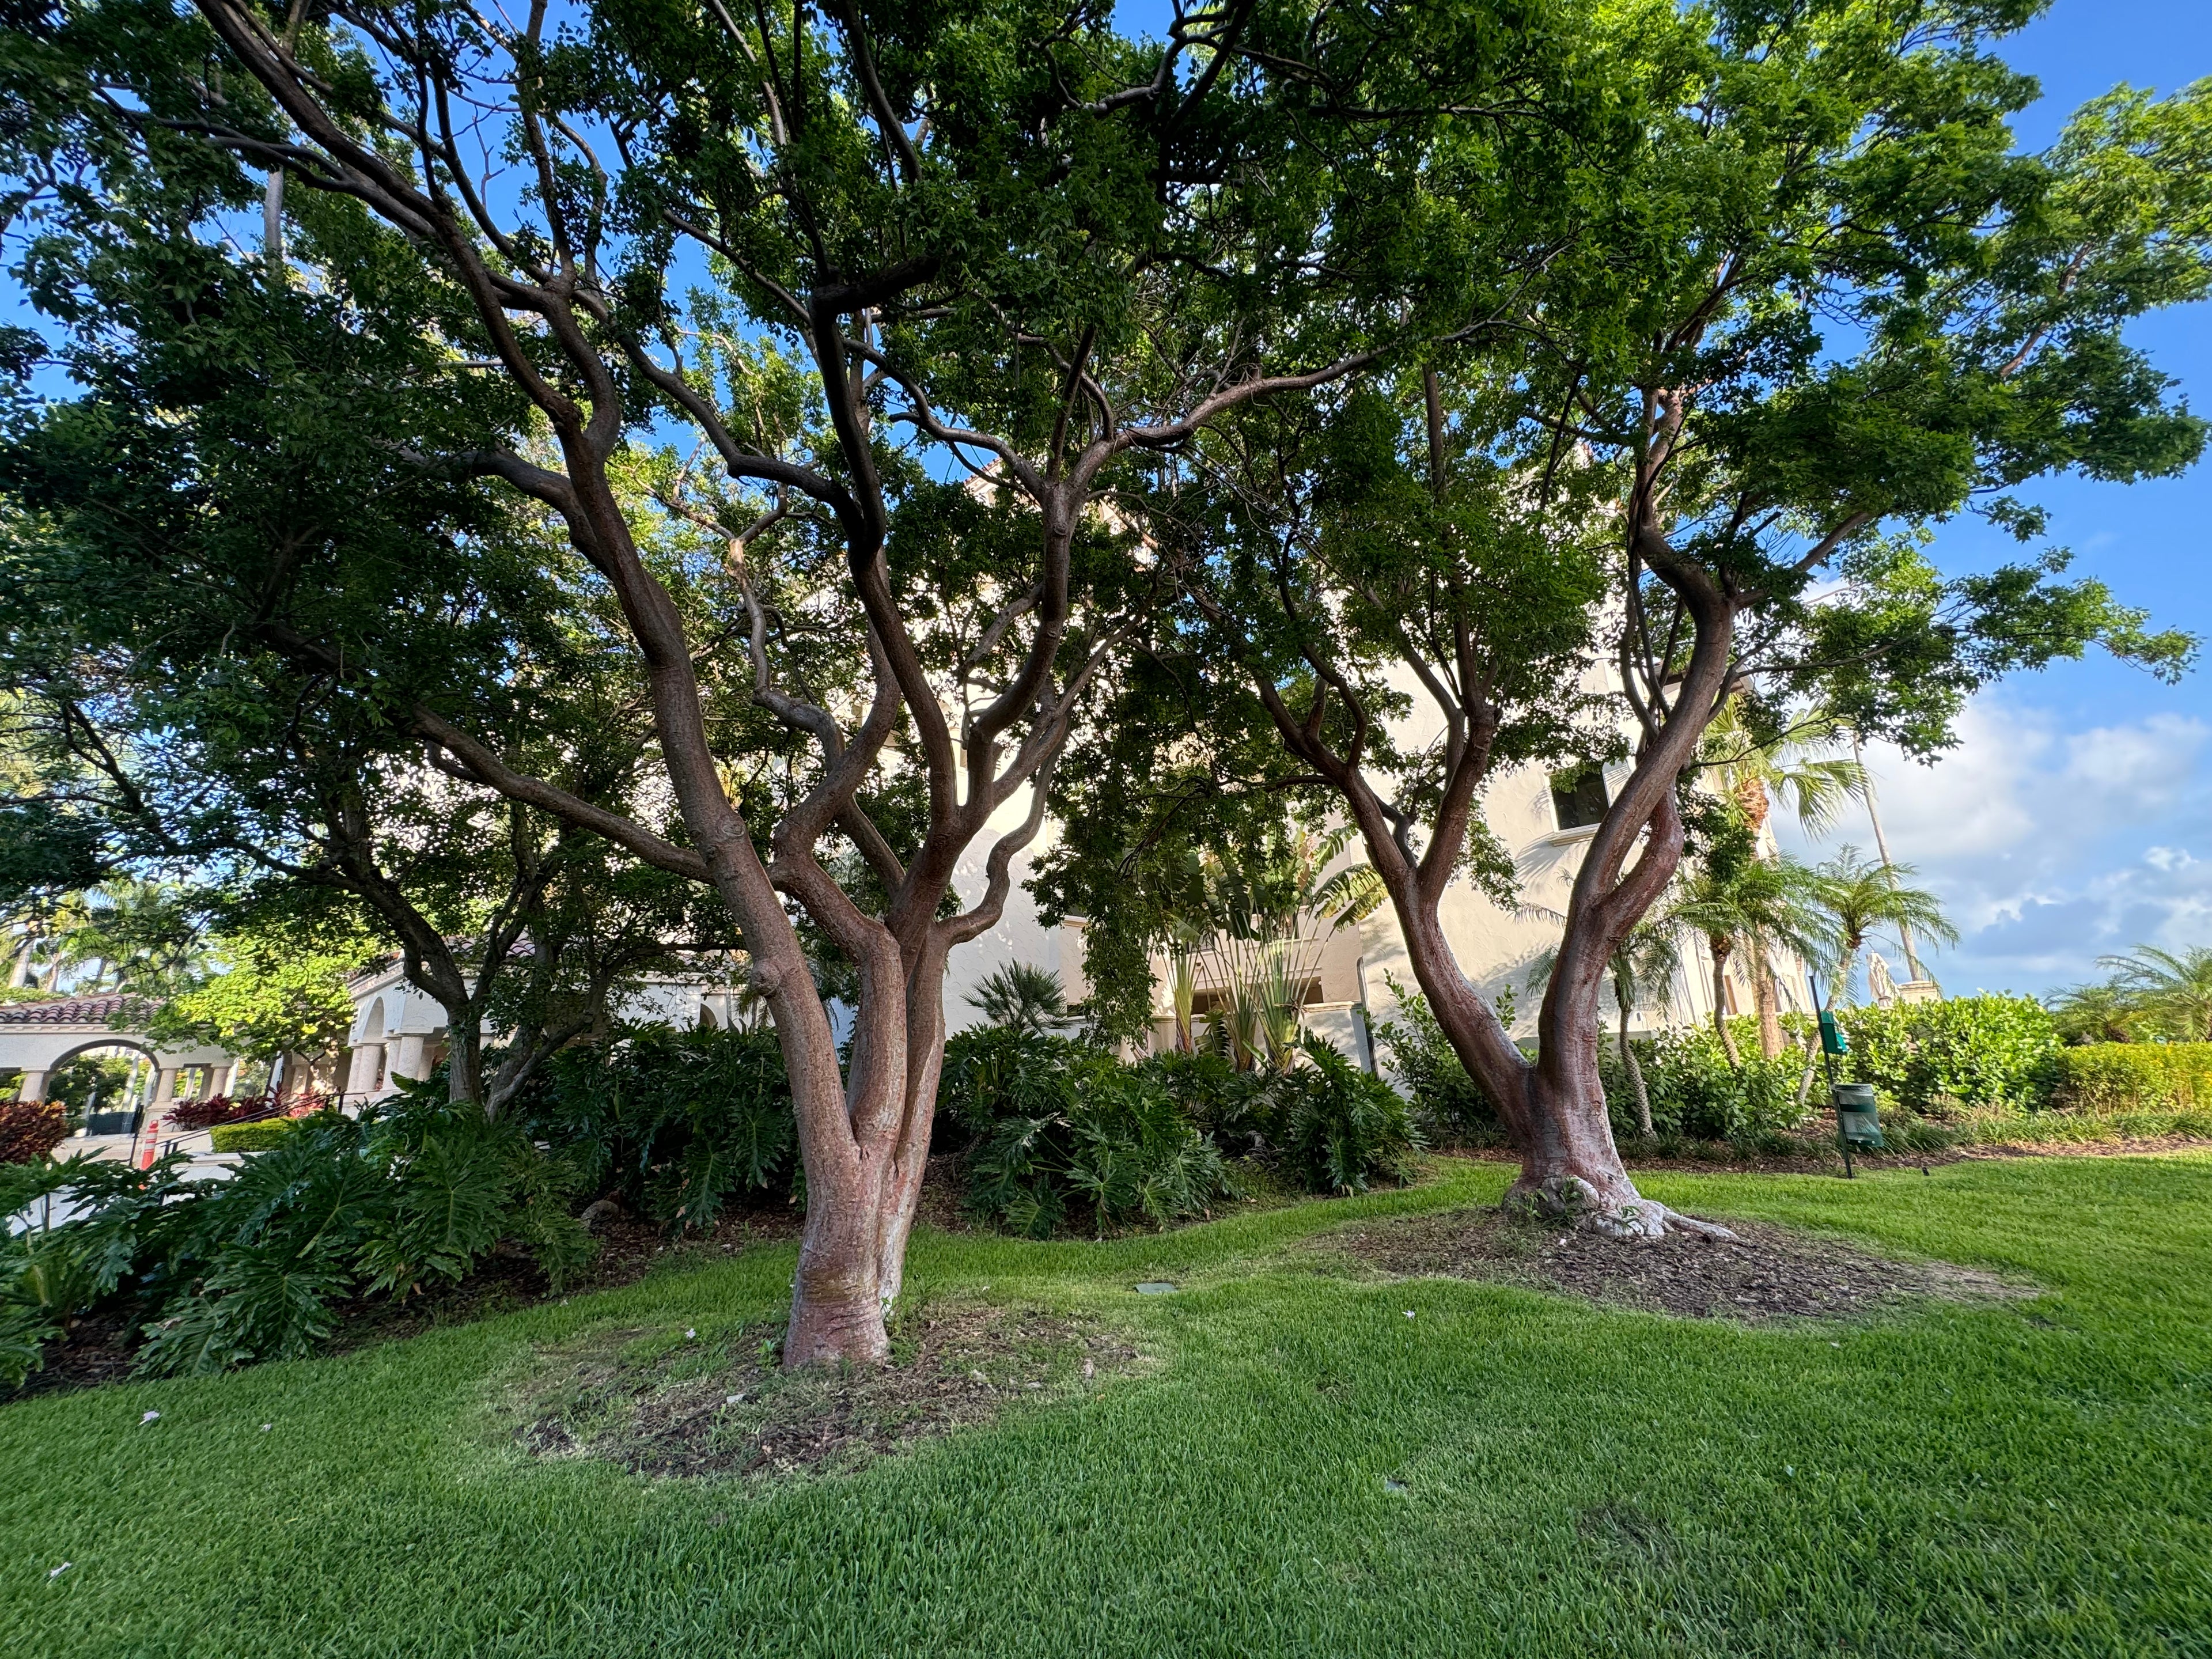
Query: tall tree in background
[1822,306]
[1755,756]
[1856,897]
[983,239]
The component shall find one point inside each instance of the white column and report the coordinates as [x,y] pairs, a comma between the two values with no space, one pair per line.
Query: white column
[165,1086]
[33,1086]
[406,1055]
[360,1075]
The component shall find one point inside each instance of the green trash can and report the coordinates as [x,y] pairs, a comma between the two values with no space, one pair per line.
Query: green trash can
[1858,1120]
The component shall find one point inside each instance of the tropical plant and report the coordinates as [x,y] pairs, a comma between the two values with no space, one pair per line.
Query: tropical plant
[1056,1126]
[1757,754]
[1272,912]
[673,1123]
[141,937]
[1022,998]
[1763,906]
[1340,1129]
[260,1266]
[2173,988]
[2106,1012]
[1855,897]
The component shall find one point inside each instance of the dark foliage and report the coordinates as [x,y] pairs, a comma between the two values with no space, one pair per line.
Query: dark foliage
[1341,1130]
[30,1129]
[672,1122]
[1059,1127]
[1055,1128]
[258,1267]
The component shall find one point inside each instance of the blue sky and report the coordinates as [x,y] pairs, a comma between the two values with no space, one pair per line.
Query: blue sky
[2076,816]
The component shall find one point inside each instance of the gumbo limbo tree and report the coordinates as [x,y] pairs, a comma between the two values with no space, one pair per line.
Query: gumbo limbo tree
[1824,306]
[888,304]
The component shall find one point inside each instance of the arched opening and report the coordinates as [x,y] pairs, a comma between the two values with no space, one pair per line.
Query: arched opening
[706,1020]
[104,1086]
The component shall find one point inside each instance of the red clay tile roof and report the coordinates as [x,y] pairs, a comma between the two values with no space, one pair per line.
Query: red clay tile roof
[77,1011]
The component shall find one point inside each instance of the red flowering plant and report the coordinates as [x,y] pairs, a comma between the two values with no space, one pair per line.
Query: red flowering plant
[29,1129]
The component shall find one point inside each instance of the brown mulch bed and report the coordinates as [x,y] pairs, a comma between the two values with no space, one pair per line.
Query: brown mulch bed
[1769,1273]
[1820,1158]
[695,1403]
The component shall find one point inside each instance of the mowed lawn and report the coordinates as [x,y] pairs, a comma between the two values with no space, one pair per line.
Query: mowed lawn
[2033,1477]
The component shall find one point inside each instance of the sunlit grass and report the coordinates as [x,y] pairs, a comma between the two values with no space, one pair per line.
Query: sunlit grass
[2030,1478]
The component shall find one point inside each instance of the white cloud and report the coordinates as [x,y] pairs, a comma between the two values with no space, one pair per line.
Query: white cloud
[2050,847]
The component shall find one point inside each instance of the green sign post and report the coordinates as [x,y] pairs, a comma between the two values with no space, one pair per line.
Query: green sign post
[1858,1119]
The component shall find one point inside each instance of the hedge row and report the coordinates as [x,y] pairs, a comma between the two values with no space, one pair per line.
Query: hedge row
[256,1136]
[2120,1076]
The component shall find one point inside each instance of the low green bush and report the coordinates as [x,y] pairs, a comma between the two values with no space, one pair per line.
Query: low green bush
[675,1123]
[1451,1107]
[1341,1130]
[1961,1052]
[1697,1095]
[256,1136]
[1054,1129]
[258,1267]
[1059,1125]
[2120,1076]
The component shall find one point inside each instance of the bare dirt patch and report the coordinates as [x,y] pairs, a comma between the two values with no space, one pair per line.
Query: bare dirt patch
[1769,1273]
[689,1403]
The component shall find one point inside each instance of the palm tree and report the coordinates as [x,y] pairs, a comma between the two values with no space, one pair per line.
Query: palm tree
[1762,906]
[1798,766]
[2096,1013]
[2176,991]
[1643,967]
[1022,998]
[1794,766]
[1856,897]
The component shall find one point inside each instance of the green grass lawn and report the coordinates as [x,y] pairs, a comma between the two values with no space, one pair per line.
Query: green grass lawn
[2033,1478]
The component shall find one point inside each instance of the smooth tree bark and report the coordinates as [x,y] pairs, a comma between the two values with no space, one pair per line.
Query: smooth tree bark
[1685,464]
[858,287]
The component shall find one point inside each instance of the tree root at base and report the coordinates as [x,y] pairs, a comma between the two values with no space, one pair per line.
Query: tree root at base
[1627,1215]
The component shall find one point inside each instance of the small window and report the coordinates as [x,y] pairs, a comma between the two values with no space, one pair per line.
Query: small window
[1578,796]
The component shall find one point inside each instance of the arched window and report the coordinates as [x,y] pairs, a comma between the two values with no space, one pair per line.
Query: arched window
[706,1020]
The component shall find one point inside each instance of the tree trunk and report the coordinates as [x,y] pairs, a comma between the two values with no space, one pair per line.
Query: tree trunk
[1771,1040]
[1719,948]
[1634,1076]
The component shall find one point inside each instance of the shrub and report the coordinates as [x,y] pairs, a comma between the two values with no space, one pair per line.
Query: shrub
[2121,1077]
[1696,1095]
[256,1136]
[1237,1109]
[1933,1057]
[257,1267]
[1341,1129]
[29,1129]
[1451,1107]
[218,1108]
[1056,1125]
[674,1122]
